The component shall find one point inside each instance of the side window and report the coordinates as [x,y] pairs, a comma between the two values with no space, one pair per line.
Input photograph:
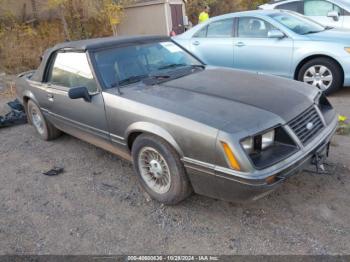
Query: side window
[251,27]
[201,33]
[72,70]
[222,28]
[293,6]
[319,8]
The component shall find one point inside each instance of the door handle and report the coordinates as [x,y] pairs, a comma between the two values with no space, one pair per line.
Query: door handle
[240,44]
[196,43]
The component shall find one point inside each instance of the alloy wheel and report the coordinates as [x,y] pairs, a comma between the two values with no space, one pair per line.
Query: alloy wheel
[37,121]
[154,170]
[319,76]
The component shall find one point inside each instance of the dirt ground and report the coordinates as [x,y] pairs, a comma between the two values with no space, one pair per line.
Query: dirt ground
[97,207]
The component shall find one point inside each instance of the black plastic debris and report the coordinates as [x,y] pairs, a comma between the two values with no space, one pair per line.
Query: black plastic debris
[55,171]
[16,116]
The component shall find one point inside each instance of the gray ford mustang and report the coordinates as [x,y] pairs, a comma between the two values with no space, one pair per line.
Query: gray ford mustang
[186,127]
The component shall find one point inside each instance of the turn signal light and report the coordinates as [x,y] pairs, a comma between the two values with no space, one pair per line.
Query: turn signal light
[231,157]
[270,180]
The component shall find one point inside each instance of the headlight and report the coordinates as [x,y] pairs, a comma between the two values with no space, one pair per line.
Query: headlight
[248,145]
[269,147]
[347,49]
[267,139]
[258,142]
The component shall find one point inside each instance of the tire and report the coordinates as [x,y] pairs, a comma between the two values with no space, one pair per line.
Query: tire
[172,179]
[331,67]
[43,127]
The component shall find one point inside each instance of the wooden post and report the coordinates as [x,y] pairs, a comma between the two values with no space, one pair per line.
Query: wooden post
[35,11]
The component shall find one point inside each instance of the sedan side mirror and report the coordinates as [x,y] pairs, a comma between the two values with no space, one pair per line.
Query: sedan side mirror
[275,33]
[79,92]
[334,15]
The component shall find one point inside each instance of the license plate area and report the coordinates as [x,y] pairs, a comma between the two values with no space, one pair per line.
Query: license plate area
[319,158]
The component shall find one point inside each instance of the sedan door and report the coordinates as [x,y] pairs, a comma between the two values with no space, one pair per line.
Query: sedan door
[84,119]
[213,44]
[256,51]
[321,11]
[346,22]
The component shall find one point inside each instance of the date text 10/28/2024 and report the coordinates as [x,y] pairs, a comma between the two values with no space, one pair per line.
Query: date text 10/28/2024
[172,258]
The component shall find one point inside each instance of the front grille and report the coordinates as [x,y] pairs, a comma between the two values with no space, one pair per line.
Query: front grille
[301,125]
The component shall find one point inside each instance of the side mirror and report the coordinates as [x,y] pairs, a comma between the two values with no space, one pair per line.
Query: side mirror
[79,92]
[334,15]
[275,33]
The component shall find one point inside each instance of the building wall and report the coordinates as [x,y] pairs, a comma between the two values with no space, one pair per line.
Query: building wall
[145,20]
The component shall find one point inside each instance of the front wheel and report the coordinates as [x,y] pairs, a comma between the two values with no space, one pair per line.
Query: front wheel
[160,170]
[323,73]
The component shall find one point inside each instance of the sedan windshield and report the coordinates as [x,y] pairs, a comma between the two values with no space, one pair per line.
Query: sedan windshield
[122,66]
[297,24]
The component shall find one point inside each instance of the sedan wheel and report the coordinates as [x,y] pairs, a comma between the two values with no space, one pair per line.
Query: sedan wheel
[319,76]
[154,170]
[160,170]
[323,73]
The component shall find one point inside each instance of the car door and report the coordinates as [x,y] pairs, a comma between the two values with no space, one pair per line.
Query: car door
[255,51]
[320,11]
[77,117]
[346,19]
[213,44]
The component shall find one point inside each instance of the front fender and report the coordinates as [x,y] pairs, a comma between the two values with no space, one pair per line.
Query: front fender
[303,53]
[29,94]
[150,128]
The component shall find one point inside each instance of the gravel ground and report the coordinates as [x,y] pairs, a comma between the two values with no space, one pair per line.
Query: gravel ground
[97,207]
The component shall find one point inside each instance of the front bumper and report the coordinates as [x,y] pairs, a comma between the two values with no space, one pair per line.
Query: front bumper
[222,183]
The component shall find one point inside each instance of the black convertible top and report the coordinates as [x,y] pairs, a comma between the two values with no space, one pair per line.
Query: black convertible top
[93,44]
[96,43]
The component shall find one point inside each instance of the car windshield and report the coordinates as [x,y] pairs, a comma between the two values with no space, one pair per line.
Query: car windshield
[122,66]
[297,24]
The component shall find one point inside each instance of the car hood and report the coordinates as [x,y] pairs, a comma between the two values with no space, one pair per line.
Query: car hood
[230,100]
[340,35]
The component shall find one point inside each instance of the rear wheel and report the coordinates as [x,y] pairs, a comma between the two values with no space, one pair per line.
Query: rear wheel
[43,127]
[323,73]
[160,170]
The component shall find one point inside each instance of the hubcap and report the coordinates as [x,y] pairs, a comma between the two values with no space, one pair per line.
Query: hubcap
[154,170]
[319,76]
[37,121]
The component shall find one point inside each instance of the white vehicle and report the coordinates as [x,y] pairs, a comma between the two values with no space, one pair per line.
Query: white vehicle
[334,13]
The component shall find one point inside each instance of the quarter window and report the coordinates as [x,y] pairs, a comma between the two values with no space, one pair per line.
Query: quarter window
[251,27]
[72,70]
[319,8]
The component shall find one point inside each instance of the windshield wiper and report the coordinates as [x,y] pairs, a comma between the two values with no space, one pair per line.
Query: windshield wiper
[132,80]
[198,66]
[180,65]
[329,27]
[312,32]
[127,81]
[171,66]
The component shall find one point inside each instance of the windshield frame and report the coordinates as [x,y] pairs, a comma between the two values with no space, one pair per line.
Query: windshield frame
[299,17]
[99,77]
